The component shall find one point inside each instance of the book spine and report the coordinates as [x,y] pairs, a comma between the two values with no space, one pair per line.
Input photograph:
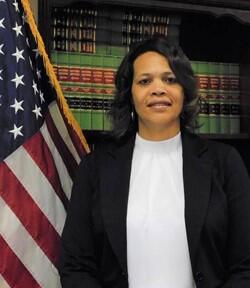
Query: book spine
[224,99]
[54,16]
[235,98]
[203,117]
[86,109]
[202,82]
[107,102]
[97,113]
[214,97]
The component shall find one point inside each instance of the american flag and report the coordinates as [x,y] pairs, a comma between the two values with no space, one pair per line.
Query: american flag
[39,153]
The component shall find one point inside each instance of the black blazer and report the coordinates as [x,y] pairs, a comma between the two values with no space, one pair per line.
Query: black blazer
[217,216]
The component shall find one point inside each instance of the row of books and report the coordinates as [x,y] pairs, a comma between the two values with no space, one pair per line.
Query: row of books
[219,118]
[86,73]
[216,75]
[139,25]
[219,90]
[88,84]
[74,29]
[91,111]
[91,30]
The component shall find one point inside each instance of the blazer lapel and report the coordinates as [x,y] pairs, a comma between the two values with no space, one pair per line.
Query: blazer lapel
[197,181]
[114,198]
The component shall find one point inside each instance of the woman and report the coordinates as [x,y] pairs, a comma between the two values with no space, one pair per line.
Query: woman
[159,207]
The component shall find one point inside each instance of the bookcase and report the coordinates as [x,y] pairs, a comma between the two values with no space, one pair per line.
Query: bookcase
[87,40]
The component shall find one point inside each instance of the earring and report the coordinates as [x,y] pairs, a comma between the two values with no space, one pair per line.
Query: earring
[132,115]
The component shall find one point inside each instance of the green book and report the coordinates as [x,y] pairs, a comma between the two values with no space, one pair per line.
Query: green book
[202,82]
[224,98]
[111,50]
[214,97]
[214,116]
[235,117]
[77,114]
[97,113]
[54,61]
[85,60]
[86,109]
[235,98]
[203,117]
[225,107]
[106,107]
[194,65]
[73,102]
[53,57]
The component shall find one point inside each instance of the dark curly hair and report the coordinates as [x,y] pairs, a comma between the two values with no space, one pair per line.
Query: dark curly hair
[120,113]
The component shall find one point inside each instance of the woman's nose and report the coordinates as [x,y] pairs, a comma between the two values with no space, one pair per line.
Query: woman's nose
[158,88]
[158,92]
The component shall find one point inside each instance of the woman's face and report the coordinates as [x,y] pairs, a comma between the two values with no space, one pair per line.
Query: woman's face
[157,97]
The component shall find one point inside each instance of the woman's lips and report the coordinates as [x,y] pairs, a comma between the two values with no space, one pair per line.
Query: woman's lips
[160,104]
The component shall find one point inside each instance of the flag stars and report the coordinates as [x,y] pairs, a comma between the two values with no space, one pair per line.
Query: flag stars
[18,55]
[16,131]
[1,49]
[1,78]
[16,6]
[18,80]
[24,18]
[18,29]
[17,106]
[27,42]
[34,86]
[36,51]
[2,1]
[41,96]
[1,23]
[37,111]
[38,73]
[31,64]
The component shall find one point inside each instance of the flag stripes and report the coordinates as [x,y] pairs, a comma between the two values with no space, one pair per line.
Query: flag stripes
[42,154]
[62,130]
[61,147]
[3,283]
[21,277]
[40,159]
[25,247]
[31,216]
[41,147]
[41,191]
[74,138]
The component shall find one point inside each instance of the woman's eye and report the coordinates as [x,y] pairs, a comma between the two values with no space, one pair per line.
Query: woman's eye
[144,81]
[170,79]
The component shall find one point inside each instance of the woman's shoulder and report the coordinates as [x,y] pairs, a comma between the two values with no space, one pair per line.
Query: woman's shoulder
[108,146]
[210,143]
[212,148]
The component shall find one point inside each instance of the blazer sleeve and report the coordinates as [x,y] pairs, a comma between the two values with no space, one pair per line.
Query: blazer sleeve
[237,187]
[78,266]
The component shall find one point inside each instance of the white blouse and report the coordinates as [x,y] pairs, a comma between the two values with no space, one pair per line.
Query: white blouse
[157,248]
